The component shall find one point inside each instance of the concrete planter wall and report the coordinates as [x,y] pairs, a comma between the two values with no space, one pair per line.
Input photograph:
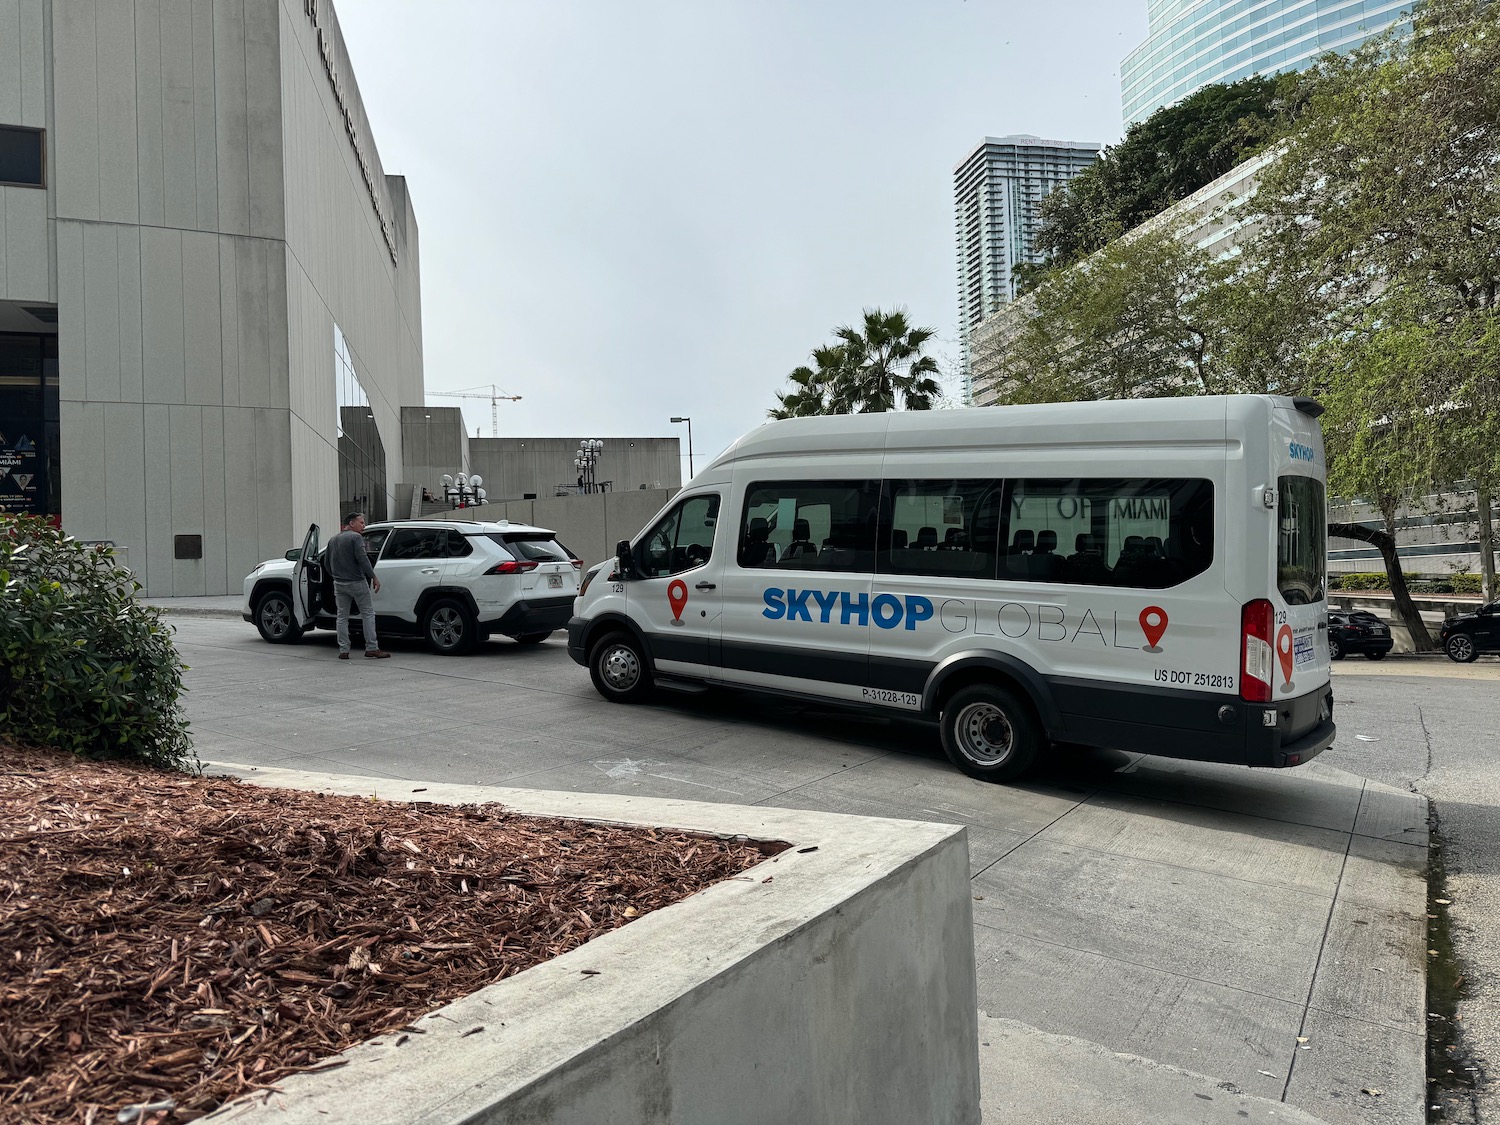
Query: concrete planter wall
[831,984]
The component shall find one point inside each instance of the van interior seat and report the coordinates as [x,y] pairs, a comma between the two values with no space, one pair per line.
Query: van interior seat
[1086,565]
[759,551]
[801,546]
[898,539]
[927,539]
[956,539]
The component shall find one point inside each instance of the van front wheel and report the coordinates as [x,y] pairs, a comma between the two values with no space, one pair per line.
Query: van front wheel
[619,671]
[989,733]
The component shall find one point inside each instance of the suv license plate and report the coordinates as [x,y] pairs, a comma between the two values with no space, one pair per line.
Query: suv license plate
[554,581]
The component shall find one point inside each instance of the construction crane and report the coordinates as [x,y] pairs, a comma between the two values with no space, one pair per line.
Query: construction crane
[494,396]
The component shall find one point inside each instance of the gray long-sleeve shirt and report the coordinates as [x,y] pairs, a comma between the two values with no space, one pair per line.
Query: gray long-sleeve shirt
[347,560]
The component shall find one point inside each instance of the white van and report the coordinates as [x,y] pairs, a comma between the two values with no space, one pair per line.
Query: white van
[1146,575]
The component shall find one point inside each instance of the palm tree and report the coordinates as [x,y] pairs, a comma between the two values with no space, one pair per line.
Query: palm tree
[813,387]
[884,366]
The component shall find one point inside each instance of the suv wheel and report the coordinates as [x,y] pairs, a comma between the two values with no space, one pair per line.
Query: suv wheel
[1461,648]
[532,638]
[1375,654]
[276,618]
[1335,647]
[448,627]
[989,733]
[618,669]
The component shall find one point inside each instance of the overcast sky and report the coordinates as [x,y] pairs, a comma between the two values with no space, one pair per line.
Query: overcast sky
[630,211]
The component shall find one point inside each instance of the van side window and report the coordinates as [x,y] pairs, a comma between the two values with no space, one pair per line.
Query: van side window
[810,525]
[1144,533]
[1301,540]
[942,528]
[682,539]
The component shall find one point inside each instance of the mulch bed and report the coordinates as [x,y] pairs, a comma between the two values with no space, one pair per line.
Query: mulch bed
[171,939]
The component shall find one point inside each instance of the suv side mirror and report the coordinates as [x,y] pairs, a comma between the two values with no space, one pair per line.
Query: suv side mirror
[624,559]
[294,554]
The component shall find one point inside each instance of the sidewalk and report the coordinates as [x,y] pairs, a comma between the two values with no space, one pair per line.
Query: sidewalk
[227,606]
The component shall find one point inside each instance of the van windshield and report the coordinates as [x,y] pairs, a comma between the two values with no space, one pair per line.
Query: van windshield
[1302,540]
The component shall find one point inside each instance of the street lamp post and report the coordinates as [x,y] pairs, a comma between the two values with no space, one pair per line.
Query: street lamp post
[586,461]
[464,491]
[689,422]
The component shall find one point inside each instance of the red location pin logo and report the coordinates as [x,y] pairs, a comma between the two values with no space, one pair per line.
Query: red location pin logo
[1153,624]
[1284,652]
[677,596]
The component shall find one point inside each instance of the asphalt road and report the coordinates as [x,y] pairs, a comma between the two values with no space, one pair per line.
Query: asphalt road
[1262,928]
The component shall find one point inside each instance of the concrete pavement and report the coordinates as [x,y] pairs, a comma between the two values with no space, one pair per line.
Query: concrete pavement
[1147,930]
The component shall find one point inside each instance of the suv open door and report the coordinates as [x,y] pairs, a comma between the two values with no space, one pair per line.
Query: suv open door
[307,575]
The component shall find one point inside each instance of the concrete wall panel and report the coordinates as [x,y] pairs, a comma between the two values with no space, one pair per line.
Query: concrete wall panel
[101,312]
[33,41]
[75,145]
[215,526]
[132,358]
[161,315]
[158,484]
[266,188]
[273,474]
[119,184]
[178,114]
[12,50]
[253,322]
[229,320]
[232,128]
[124,451]
[186,451]
[83,468]
[203,353]
[205,125]
[151,158]
[241,494]
[24,260]
[72,365]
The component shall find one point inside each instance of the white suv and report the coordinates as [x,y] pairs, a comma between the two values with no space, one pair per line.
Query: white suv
[450,583]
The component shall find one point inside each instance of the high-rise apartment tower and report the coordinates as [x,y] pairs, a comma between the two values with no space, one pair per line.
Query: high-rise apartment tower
[996,191]
[1194,43]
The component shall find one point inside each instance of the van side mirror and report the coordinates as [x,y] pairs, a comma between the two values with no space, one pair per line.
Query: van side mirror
[625,561]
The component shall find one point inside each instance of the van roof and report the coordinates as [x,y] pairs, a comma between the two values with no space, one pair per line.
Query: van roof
[1140,421]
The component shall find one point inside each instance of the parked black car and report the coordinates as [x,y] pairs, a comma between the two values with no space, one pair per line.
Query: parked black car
[1467,635]
[1357,631]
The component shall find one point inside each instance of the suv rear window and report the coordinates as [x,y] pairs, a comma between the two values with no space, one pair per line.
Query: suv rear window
[1301,541]
[537,548]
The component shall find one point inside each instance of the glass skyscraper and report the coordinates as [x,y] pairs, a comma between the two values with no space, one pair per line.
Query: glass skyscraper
[1193,43]
[996,191]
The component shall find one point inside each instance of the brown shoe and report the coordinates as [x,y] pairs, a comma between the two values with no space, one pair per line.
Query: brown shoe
[376,654]
[343,656]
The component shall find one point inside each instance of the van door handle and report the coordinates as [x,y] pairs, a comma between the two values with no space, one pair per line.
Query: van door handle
[706,586]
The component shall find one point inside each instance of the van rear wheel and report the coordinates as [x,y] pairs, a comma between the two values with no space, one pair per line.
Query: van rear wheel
[989,733]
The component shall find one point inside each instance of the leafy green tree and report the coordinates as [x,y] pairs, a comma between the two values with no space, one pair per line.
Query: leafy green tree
[1177,150]
[876,367]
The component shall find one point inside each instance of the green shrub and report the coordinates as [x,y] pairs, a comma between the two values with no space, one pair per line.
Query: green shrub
[1372,580]
[83,665]
[1465,583]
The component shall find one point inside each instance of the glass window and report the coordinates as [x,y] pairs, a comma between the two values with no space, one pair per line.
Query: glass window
[1302,540]
[537,548]
[360,449]
[810,525]
[456,545]
[1146,533]
[417,543]
[942,528]
[21,156]
[30,460]
[684,538]
[374,540]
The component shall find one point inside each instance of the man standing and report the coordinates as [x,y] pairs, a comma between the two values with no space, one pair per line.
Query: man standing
[353,577]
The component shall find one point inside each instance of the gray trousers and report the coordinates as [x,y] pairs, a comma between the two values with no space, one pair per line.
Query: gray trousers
[348,595]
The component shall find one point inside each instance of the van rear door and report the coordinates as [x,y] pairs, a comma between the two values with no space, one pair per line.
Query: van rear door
[1300,579]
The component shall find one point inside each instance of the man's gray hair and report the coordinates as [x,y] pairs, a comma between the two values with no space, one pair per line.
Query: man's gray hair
[351,517]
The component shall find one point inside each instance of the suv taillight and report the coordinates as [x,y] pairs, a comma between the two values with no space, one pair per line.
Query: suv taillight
[1257,623]
[512,566]
[577,564]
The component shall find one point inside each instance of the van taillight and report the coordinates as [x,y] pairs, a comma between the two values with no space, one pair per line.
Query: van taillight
[512,566]
[1257,622]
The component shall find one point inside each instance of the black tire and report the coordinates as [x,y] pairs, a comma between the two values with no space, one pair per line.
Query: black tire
[1375,654]
[1462,649]
[449,628]
[1335,648]
[533,638]
[989,733]
[276,618]
[620,671]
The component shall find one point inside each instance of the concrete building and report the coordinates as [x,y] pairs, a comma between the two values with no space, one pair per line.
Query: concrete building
[996,191]
[1195,43]
[209,287]
[517,468]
